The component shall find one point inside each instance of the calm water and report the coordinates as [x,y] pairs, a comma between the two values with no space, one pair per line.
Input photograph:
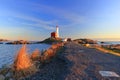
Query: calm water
[109,42]
[7,52]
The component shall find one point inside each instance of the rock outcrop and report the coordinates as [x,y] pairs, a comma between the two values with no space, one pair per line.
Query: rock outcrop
[19,42]
[3,40]
[50,40]
[85,41]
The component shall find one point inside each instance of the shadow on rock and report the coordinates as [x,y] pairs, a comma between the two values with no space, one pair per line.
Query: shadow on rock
[57,69]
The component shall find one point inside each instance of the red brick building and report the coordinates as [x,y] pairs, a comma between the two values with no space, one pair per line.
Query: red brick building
[53,34]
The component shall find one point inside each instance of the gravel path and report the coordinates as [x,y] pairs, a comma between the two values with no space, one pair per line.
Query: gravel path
[79,63]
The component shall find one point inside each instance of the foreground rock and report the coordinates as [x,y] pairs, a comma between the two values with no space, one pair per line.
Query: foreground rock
[79,63]
[86,63]
[54,70]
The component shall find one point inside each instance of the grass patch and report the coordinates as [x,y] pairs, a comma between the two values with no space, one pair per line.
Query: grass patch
[23,65]
[107,50]
[114,50]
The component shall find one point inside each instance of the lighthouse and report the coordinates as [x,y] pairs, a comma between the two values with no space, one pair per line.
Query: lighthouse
[57,31]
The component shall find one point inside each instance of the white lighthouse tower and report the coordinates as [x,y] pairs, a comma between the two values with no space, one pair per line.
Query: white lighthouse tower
[57,31]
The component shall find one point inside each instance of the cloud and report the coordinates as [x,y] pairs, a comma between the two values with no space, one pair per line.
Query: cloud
[30,20]
[37,22]
[61,13]
[45,26]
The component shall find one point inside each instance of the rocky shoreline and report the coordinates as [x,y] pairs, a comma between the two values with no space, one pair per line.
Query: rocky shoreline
[38,59]
[77,62]
[68,61]
[109,48]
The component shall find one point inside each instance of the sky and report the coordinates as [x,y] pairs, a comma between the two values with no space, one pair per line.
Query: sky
[36,19]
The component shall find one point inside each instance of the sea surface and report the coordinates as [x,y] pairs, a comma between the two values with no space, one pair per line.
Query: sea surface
[8,52]
[109,42]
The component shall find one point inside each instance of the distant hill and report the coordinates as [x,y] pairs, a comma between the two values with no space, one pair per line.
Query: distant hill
[3,40]
[19,42]
[47,41]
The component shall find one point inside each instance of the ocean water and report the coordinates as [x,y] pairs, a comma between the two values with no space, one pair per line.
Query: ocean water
[8,52]
[109,42]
